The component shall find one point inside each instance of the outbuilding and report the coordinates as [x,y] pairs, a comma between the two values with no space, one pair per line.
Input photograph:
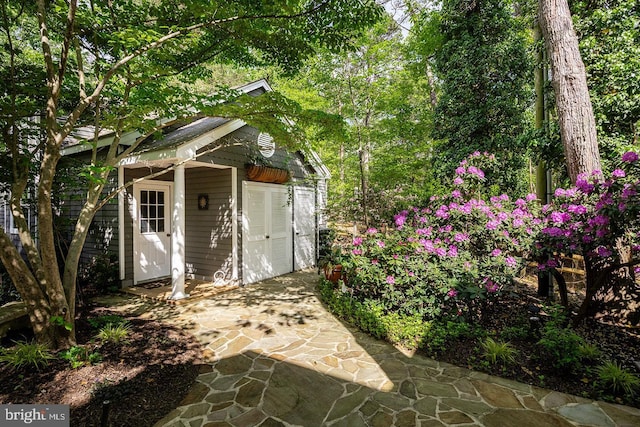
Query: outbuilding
[213,199]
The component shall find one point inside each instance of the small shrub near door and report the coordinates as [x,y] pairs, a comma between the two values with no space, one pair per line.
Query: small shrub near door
[100,275]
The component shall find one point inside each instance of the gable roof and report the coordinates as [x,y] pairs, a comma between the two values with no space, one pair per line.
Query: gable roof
[76,142]
[181,140]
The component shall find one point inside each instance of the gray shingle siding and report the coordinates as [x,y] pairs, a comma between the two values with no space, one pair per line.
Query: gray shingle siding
[208,232]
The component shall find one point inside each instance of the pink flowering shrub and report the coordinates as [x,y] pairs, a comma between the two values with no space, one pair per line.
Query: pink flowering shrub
[451,257]
[591,219]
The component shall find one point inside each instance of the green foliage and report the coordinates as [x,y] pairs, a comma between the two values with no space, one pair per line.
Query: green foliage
[498,351]
[559,343]
[107,319]
[26,354]
[79,356]
[515,333]
[59,321]
[387,118]
[370,316]
[101,272]
[610,49]
[442,332]
[409,331]
[617,379]
[115,334]
[482,62]
[589,352]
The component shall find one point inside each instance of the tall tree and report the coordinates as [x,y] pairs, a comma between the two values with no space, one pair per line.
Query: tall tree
[484,69]
[118,64]
[610,47]
[387,115]
[574,110]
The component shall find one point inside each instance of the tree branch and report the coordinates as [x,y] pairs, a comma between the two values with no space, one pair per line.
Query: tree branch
[81,75]
[85,102]
[66,45]
[44,40]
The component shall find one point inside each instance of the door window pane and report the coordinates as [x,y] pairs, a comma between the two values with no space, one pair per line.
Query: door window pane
[152,212]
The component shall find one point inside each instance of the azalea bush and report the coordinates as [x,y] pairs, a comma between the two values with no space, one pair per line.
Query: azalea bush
[599,219]
[453,257]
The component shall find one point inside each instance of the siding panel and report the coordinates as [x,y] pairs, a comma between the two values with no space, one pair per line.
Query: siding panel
[208,232]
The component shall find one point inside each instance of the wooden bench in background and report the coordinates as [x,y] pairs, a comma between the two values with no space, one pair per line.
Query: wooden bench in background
[13,316]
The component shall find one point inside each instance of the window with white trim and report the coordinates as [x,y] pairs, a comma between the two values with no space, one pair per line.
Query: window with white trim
[266,144]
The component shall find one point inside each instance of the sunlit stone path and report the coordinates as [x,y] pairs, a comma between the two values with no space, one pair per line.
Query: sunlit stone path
[278,358]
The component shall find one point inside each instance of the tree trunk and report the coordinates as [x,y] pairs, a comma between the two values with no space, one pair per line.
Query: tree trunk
[364,155]
[81,231]
[62,314]
[32,294]
[575,113]
[433,98]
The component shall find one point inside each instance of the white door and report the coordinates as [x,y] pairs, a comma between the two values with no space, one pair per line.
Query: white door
[304,227]
[266,232]
[152,230]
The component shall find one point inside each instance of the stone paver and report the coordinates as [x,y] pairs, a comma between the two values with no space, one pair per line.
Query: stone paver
[278,358]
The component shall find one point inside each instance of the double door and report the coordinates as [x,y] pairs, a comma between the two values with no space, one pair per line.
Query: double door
[267,249]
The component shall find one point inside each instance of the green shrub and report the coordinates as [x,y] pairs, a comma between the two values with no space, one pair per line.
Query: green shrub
[442,332]
[617,379]
[79,356]
[371,317]
[498,351]
[519,331]
[26,354]
[115,334]
[559,343]
[100,273]
[589,352]
[410,331]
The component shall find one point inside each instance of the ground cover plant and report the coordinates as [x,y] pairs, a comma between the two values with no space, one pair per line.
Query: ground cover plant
[449,281]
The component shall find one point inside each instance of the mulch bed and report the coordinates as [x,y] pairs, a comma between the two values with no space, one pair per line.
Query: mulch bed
[615,342]
[142,380]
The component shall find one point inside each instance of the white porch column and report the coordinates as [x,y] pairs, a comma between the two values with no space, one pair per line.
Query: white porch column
[177,235]
[234,223]
[121,200]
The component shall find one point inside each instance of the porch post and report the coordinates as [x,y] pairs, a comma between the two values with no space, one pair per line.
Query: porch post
[121,200]
[177,235]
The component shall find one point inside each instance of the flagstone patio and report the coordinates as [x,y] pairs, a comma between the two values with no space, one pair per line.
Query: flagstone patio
[278,358]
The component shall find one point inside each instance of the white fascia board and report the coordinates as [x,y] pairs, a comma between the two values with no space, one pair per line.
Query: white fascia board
[150,157]
[127,139]
[190,149]
[262,83]
[319,165]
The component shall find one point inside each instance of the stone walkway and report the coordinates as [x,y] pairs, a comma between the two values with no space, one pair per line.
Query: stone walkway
[278,358]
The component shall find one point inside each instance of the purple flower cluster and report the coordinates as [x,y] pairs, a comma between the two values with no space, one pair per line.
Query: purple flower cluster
[480,241]
[590,218]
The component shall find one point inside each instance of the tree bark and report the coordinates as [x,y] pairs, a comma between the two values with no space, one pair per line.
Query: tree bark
[569,80]
[32,294]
